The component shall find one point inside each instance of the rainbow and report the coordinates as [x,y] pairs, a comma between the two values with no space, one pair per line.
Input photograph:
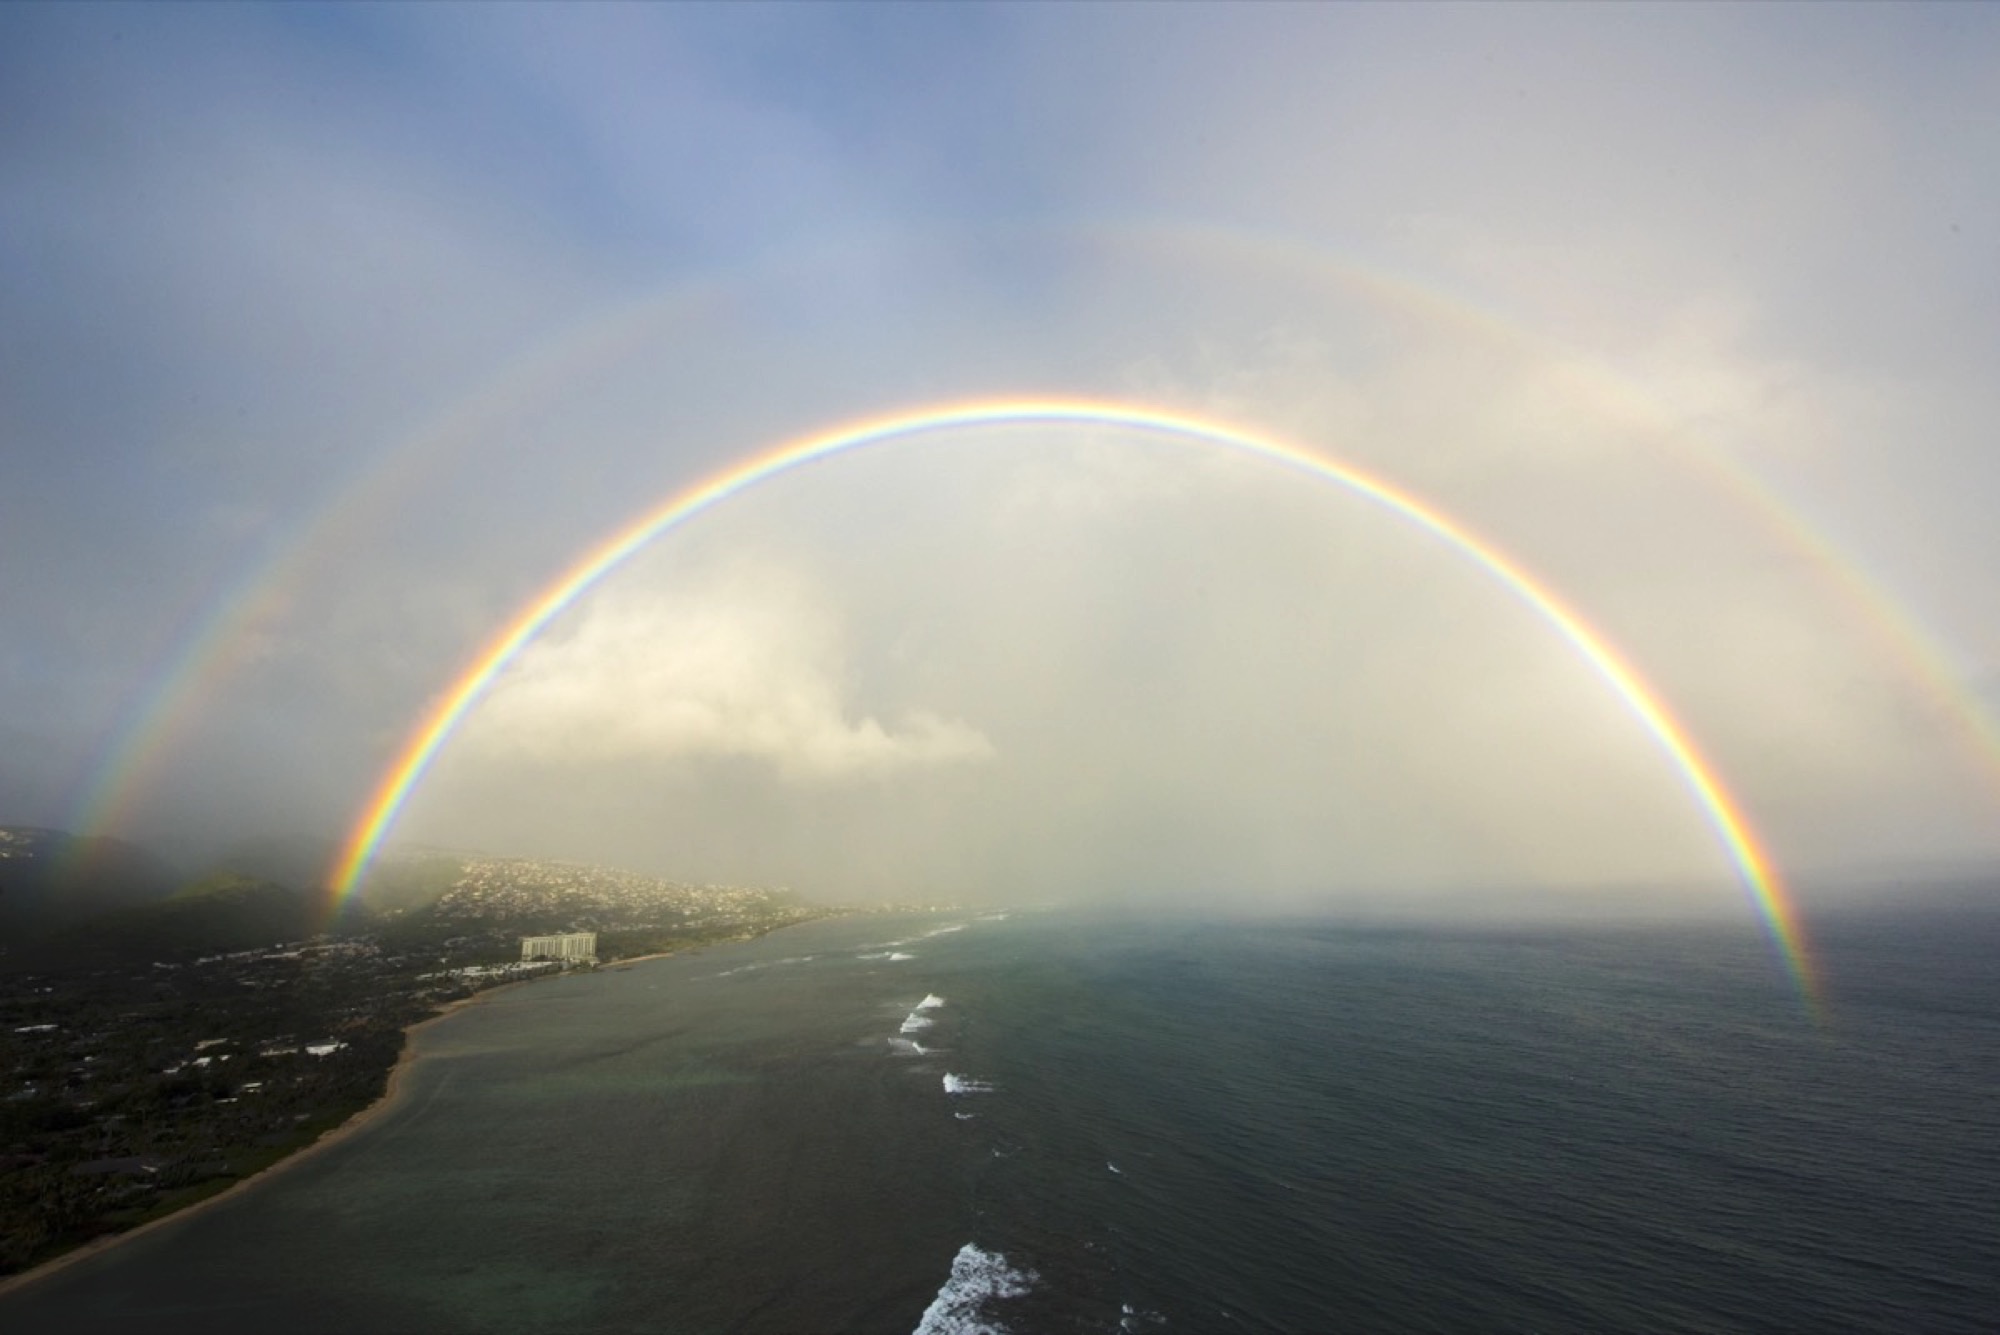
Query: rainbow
[1879,609]
[212,645]
[1724,814]
[164,706]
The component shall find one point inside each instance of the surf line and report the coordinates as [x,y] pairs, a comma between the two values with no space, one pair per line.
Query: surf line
[1722,811]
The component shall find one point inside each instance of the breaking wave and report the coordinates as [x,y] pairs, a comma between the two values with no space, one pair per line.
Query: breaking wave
[764,964]
[978,1279]
[916,1020]
[962,1084]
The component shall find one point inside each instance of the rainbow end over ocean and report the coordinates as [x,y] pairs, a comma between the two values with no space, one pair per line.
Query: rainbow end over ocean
[1723,812]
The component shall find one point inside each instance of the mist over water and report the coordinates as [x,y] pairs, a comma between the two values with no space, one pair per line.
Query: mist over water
[1114,1125]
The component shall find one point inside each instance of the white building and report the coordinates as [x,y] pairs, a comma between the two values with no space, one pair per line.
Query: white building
[569,947]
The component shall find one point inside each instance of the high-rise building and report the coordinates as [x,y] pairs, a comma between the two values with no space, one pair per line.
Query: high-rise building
[569,947]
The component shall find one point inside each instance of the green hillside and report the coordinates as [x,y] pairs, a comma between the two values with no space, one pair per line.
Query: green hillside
[50,879]
[222,913]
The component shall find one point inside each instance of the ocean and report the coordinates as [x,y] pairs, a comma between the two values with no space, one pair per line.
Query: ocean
[1041,1122]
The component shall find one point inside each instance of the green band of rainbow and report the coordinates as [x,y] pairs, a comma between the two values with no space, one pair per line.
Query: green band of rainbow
[1723,812]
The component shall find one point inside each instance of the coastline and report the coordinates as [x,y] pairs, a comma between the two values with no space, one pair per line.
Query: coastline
[356,1123]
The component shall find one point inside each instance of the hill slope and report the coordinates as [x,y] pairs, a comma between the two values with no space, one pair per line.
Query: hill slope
[50,879]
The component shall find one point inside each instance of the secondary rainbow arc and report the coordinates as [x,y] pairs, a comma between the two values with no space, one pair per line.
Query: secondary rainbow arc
[1724,814]
[167,702]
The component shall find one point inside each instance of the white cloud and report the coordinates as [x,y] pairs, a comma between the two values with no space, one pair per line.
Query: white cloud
[749,668]
[1584,279]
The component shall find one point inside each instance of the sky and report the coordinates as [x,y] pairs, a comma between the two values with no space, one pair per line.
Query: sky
[330,337]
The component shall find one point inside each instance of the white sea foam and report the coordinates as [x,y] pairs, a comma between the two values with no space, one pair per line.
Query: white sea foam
[964,1116]
[902,955]
[909,1047]
[916,1020]
[978,1279]
[1114,1168]
[764,964]
[1131,1318]
[961,1084]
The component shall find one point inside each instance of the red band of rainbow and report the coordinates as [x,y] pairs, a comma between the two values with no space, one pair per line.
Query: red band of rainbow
[1723,812]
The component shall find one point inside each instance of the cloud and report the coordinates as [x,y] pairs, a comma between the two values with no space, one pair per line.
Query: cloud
[1556,271]
[747,668]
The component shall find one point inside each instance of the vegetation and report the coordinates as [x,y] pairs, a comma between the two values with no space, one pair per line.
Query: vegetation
[49,879]
[164,1050]
[225,912]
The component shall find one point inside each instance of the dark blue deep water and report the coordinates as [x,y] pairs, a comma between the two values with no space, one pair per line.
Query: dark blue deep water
[1178,1126]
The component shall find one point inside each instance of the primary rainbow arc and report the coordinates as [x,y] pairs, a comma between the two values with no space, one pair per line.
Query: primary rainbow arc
[1723,812]
[166,703]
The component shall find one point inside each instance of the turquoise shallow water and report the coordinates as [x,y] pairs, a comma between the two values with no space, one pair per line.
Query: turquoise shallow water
[1173,1126]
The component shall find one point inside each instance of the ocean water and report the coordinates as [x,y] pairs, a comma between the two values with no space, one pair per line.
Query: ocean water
[1043,1123]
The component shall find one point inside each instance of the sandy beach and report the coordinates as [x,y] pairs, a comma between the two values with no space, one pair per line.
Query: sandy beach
[717,1116]
[352,1126]
[355,1124]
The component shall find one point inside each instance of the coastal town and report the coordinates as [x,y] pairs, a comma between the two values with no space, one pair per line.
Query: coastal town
[135,1083]
[490,890]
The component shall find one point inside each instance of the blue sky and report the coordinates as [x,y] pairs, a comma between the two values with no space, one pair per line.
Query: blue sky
[479,282]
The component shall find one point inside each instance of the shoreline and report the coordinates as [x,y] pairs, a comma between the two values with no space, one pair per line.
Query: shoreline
[356,1122]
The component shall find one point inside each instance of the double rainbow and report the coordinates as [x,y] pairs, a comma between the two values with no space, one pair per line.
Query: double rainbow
[1721,810]
[170,698]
